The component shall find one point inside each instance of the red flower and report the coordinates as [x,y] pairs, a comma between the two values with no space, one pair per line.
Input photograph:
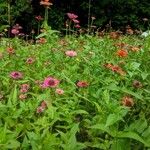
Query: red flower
[82,84]
[122,53]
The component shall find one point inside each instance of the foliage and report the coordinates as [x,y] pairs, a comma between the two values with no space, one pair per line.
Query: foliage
[91,116]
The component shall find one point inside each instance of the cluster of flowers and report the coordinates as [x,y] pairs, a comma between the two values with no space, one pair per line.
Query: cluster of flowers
[124,48]
[73,17]
[115,68]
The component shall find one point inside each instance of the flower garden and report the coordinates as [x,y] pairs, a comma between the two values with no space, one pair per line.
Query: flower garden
[77,92]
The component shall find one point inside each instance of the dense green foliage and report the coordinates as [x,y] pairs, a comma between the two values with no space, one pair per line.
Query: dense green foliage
[117,12]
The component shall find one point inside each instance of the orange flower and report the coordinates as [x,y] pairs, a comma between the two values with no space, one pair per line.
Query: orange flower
[135,49]
[41,41]
[114,35]
[121,45]
[122,53]
[45,3]
[115,68]
[127,101]
[10,50]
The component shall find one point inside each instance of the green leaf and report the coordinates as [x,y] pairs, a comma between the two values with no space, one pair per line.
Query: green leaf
[132,93]
[121,144]
[112,119]
[106,96]
[144,75]
[132,135]
[13,144]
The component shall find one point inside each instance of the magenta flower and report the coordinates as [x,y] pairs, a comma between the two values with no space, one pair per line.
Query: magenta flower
[71,53]
[72,16]
[59,91]
[16,75]
[50,82]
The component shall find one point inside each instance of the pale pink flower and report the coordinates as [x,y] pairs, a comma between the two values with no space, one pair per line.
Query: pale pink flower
[72,16]
[71,53]
[77,26]
[40,109]
[22,96]
[59,91]
[24,88]
[50,82]
[82,84]
[16,75]
[15,31]
[76,21]
[30,60]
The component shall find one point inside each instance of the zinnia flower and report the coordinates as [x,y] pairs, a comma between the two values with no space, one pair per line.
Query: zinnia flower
[82,84]
[76,21]
[59,91]
[10,50]
[122,53]
[45,3]
[22,96]
[137,84]
[30,60]
[50,82]
[16,75]
[72,16]
[77,26]
[24,88]
[71,53]
[127,101]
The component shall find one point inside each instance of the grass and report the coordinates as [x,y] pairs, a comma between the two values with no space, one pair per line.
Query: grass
[110,110]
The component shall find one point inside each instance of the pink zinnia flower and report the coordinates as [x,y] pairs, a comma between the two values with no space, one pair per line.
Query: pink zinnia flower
[82,84]
[16,75]
[24,88]
[72,16]
[30,60]
[59,91]
[15,31]
[76,21]
[40,109]
[71,53]
[77,26]
[44,104]
[50,82]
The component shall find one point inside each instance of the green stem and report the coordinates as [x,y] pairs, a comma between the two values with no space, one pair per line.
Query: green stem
[9,18]
[89,15]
